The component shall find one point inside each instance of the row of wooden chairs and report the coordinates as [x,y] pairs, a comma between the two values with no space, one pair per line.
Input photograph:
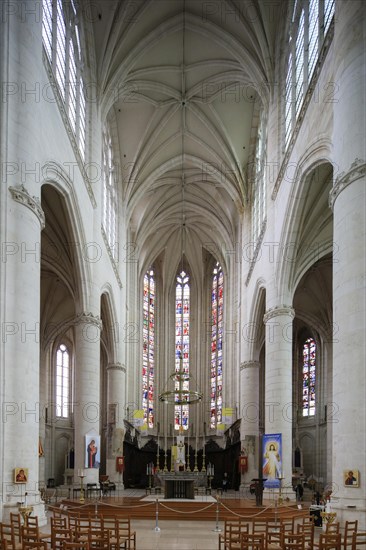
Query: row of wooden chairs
[292,541]
[119,527]
[275,533]
[94,531]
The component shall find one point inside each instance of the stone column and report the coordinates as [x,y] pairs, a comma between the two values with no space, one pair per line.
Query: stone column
[278,382]
[20,349]
[116,389]
[348,200]
[87,413]
[249,413]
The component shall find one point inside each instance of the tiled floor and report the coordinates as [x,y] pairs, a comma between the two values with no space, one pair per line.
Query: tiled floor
[155,534]
[182,535]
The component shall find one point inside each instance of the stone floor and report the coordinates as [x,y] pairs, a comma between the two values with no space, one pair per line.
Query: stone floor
[155,534]
[182,535]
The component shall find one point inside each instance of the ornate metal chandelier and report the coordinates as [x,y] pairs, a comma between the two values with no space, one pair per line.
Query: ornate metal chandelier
[179,395]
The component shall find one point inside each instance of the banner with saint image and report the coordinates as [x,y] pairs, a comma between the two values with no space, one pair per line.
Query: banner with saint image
[272,460]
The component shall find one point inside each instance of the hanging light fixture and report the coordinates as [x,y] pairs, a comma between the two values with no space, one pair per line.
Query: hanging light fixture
[179,395]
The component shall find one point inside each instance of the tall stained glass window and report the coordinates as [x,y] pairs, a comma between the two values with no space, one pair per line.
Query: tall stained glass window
[308,377]
[61,40]
[217,324]
[311,20]
[148,355]
[110,205]
[182,309]
[62,382]
[259,175]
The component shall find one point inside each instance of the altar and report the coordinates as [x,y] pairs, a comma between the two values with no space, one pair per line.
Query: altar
[181,484]
[179,487]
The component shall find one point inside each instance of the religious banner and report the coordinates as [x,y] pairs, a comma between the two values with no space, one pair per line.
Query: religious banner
[138,418]
[272,460]
[227,415]
[92,450]
[220,429]
[143,430]
[243,464]
[120,464]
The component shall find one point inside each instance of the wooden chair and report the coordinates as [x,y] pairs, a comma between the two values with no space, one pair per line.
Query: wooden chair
[98,539]
[75,545]
[274,533]
[16,526]
[271,531]
[37,544]
[7,537]
[329,541]
[332,527]
[60,535]
[30,534]
[31,521]
[58,522]
[126,536]
[95,521]
[252,541]
[350,527]
[232,530]
[292,541]
[73,519]
[308,530]
[110,524]
[359,541]
[288,524]
[232,533]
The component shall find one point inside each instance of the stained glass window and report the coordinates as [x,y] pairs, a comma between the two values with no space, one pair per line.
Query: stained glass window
[217,324]
[61,40]
[62,381]
[110,206]
[310,23]
[182,310]
[259,175]
[148,353]
[308,377]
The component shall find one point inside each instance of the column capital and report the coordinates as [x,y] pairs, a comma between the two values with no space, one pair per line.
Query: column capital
[250,365]
[116,366]
[357,170]
[89,319]
[21,195]
[278,310]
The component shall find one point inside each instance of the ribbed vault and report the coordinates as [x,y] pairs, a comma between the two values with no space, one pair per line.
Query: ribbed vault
[183,81]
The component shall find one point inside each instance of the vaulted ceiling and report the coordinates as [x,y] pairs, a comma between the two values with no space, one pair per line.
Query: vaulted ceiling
[182,82]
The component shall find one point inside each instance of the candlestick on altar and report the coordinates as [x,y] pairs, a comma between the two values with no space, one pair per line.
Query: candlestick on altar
[203,457]
[195,469]
[188,456]
[158,458]
[81,474]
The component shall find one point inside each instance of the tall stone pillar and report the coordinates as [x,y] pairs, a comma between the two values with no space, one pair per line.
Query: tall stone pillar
[278,382]
[348,200]
[115,415]
[20,350]
[250,413]
[87,412]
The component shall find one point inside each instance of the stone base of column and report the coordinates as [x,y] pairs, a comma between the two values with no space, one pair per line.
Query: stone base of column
[349,513]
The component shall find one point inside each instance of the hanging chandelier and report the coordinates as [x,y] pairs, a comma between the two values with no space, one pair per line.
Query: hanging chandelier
[179,395]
